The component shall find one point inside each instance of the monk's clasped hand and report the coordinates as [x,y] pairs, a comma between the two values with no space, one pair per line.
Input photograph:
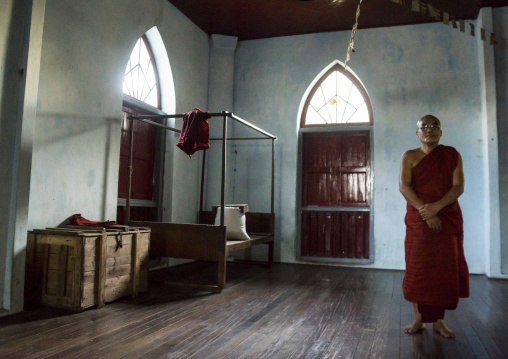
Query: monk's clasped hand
[434,223]
[427,211]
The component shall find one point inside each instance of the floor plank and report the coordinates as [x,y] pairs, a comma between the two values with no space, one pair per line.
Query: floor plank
[287,311]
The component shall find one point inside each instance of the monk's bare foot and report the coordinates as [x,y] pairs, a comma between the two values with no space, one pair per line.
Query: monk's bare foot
[441,328]
[414,327]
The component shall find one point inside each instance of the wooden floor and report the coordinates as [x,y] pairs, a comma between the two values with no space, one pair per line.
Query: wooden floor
[287,311]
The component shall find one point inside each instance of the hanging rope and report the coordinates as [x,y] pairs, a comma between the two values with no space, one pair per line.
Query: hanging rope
[351,45]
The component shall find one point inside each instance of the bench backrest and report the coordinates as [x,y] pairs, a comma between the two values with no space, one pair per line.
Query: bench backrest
[256,222]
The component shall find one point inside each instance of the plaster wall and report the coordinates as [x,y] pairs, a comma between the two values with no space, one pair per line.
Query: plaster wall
[500,16]
[25,21]
[85,50]
[220,98]
[408,71]
[12,28]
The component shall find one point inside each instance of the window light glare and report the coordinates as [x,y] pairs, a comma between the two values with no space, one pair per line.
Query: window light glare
[337,100]
[140,80]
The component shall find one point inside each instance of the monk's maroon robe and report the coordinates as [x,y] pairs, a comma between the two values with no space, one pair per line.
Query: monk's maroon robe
[436,269]
[195,134]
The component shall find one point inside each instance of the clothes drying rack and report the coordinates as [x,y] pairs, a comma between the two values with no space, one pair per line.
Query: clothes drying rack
[225,115]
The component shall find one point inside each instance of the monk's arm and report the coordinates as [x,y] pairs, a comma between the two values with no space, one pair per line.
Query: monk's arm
[405,187]
[405,177]
[431,209]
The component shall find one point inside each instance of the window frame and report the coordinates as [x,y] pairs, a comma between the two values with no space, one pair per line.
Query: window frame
[155,70]
[356,82]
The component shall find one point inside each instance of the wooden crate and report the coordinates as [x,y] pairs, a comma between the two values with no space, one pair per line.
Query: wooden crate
[79,268]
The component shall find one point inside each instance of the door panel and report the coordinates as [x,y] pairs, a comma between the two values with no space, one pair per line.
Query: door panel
[354,149]
[322,186]
[353,189]
[142,179]
[335,173]
[355,169]
[137,214]
[335,234]
[320,181]
[143,168]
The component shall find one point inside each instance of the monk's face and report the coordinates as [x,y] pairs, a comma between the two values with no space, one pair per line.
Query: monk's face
[429,130]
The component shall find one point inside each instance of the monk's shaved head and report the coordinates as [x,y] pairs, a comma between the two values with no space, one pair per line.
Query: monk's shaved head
[428,118]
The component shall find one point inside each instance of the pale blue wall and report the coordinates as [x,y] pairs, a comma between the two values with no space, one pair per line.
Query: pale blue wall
[501,62]
[21,27]
[220,98]
[86,47]
[409,72]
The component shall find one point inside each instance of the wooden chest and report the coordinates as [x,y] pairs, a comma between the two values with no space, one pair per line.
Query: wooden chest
[77,268]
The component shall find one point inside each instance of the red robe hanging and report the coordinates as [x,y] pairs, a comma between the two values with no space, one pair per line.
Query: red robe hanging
[436,269]
[195,135]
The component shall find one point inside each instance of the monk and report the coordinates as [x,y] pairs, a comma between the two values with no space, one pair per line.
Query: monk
[431,180]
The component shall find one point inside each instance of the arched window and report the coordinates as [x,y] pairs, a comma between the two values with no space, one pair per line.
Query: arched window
[338,98]
[141,79]
[336,197]
[142,96]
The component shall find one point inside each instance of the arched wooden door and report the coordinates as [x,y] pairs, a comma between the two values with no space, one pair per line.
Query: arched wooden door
[142,96]
[336,191]
[336,125]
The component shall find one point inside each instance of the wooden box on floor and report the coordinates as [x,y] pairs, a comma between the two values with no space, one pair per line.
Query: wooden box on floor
[75,268]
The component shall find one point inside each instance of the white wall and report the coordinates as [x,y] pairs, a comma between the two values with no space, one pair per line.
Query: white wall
[76,147]
[408,71]
[20,51]
[75,130]
[12,26]
[220,98]
[500,17]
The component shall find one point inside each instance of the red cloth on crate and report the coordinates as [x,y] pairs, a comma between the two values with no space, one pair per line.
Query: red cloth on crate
[195,135]
[436,269]
[79,220]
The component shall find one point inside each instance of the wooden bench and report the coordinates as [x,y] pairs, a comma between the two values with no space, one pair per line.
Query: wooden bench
[207,242]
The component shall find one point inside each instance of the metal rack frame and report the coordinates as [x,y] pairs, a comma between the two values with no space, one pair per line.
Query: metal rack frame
[149,119]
